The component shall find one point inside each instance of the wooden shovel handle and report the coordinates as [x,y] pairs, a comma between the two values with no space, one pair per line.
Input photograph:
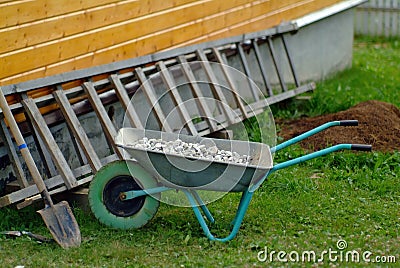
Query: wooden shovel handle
[37,178]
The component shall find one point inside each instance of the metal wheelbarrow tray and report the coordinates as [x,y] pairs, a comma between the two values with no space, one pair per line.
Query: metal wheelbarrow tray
[178,171]
[126,194]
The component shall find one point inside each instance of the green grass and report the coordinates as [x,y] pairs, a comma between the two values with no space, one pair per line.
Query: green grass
[311,206]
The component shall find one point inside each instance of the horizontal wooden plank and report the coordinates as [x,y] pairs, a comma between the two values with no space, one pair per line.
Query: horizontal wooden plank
[257,23]
[178,35]
[36,198]
[289,12]
[33,10]
[184,34]
[44,30]
[69,47]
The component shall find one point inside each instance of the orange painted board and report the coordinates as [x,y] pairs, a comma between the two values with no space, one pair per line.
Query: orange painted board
[69,47]
[177,36]
[18,12]
[228,20]
[44,30]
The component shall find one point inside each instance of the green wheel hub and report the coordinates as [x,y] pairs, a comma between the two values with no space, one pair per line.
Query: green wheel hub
[109,182]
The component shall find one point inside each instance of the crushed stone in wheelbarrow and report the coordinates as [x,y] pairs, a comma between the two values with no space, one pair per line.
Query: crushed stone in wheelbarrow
[192,150]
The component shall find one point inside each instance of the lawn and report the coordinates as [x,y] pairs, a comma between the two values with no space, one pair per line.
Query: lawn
[348,198]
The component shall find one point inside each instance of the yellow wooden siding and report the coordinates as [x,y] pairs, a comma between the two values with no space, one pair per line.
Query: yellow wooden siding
[58,36]
[23,11]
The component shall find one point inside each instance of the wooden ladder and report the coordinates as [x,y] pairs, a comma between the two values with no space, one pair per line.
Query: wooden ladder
[196,93]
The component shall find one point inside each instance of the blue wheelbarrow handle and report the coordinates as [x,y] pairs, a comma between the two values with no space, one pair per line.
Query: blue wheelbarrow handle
[357,147]
[313,132]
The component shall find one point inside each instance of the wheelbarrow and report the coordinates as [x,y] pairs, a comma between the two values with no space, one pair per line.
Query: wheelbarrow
[126,194]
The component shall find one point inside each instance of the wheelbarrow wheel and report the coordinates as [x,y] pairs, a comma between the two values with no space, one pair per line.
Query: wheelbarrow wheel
[105,202]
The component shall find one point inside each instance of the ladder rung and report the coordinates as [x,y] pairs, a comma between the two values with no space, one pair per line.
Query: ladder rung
[125,101]
[198,95]
[290,60]
[75,126]
[151,97]
[180,105]
[44,154]
[105,121]
[214,85]
[232,86]
[262,68]
[44,132]
[277,67]
[253,88]
[14,159]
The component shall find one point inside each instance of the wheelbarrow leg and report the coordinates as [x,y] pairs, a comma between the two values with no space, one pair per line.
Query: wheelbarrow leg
[244,204]
[203,207]
[242,200]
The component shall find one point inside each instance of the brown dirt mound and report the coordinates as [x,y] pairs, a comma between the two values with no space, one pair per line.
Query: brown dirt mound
[379,125]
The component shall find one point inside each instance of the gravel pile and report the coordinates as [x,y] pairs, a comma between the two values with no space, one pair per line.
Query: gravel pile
[193,150]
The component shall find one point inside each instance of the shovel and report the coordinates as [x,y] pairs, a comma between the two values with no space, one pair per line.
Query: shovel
[58,218]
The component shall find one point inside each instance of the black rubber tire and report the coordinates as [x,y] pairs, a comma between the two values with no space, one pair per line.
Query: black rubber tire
[104,195]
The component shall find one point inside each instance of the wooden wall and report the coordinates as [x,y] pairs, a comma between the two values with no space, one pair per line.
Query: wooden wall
[378,18]
[46,37]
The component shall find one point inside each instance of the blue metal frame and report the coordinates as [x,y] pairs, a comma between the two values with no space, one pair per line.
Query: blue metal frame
[196,202]
[247,195]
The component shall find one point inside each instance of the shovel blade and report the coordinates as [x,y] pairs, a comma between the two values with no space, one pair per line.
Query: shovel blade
[62,224]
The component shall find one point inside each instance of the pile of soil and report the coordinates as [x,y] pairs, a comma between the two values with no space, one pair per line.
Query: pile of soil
[379,125]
